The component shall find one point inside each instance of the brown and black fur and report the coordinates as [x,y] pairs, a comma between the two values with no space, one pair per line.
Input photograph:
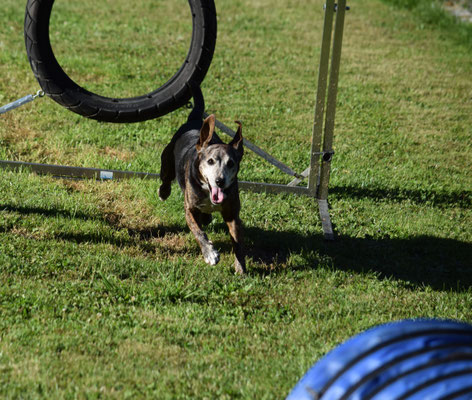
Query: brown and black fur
[207,188]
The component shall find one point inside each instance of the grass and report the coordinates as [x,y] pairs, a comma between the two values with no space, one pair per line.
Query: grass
[432,13]
[103,292]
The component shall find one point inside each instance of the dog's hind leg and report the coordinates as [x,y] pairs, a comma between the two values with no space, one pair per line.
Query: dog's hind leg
[167,171]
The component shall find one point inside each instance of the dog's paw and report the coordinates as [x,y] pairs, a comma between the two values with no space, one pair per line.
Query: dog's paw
[239,268]
[211,256]
[164,191]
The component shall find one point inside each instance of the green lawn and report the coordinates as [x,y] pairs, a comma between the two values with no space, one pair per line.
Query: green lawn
[103,291]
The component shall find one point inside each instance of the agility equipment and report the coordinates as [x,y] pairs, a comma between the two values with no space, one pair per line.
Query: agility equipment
[312,182]
[322,152]
[172,95]
[410,359]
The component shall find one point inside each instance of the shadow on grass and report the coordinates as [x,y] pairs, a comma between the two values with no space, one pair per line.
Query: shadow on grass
[442,264]
[142,236]
[462,199]
[48,212]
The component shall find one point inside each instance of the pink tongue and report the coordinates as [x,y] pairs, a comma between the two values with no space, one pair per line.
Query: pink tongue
[216,195]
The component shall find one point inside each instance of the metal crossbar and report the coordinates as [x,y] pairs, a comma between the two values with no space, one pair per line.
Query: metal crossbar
[322,139]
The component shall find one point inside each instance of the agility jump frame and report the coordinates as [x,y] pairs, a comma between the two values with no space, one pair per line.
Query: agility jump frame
[317,173]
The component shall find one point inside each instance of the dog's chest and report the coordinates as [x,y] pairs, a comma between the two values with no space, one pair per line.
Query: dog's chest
[206,206]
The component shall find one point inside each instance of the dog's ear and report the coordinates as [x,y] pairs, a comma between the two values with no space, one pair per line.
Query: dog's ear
[206,132]
[237,141]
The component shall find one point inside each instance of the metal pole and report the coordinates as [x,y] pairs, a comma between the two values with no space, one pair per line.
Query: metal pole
[75,172]
[331,103]
[321,98]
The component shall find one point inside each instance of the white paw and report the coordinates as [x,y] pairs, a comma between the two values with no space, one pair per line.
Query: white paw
[211,256]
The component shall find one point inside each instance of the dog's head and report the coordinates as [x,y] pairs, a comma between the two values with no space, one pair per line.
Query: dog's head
[218,163]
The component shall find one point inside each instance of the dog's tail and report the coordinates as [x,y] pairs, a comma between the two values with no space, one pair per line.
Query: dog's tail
[198,102]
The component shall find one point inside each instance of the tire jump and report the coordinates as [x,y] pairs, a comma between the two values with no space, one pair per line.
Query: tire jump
[172,95]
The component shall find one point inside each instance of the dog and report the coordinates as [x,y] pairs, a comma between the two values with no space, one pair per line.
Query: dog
[206,170]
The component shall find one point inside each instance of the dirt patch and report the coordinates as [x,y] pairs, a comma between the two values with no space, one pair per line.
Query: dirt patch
[118,154]
[23,141]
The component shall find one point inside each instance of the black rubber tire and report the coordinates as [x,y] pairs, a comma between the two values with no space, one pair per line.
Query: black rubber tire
[173,94]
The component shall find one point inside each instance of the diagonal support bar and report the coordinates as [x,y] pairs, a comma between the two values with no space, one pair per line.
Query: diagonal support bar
[266,156]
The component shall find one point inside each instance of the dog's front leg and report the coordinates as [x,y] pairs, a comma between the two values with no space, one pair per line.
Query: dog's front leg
[210,255]
[235,227]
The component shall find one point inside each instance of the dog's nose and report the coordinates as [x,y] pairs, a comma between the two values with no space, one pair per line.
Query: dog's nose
[220,182]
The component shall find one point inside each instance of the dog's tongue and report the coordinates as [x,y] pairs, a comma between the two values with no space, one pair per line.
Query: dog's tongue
[217,195]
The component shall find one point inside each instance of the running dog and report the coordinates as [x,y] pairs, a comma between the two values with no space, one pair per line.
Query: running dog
[206,170]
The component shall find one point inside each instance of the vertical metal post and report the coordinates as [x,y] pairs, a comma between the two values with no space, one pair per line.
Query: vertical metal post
[313,178]
[322,141]
[331,102]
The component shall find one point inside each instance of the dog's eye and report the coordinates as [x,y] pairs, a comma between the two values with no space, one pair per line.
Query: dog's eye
[211,161]
[230,164]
